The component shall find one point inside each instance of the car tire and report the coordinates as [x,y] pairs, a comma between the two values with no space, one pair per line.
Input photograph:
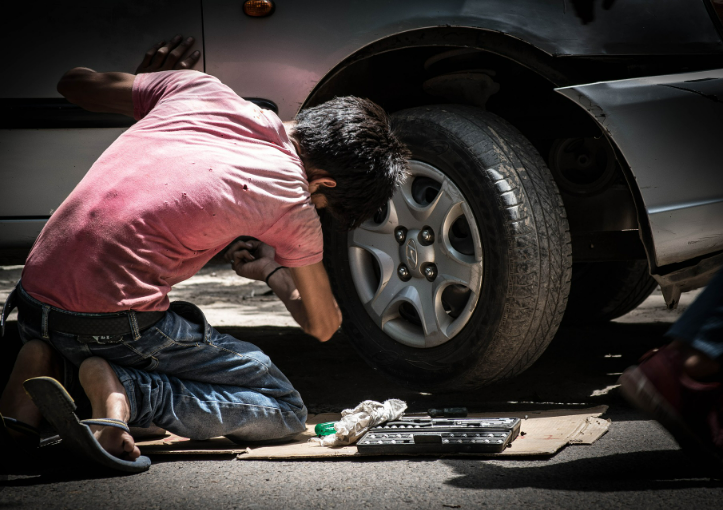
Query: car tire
[603,291]
[513,262]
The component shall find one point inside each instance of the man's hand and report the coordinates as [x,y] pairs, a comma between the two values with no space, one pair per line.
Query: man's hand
[251,259]
[305,291]
[169,56]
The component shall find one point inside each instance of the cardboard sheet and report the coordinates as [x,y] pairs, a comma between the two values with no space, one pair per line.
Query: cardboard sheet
[545,432]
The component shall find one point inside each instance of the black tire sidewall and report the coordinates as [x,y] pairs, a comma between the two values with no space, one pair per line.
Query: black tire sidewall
[603,291]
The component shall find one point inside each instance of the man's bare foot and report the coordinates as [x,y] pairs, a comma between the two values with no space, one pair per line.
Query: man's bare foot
[109,400]
[35,359]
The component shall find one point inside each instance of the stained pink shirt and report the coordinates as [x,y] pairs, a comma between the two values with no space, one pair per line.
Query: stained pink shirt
[201,167]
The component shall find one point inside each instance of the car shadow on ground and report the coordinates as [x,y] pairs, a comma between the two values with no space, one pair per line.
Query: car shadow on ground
[631,471]
[580,368]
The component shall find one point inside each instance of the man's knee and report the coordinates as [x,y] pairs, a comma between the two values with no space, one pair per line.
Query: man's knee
[36,359]
[37,353]
[36,350]
[295,403]
[297,407]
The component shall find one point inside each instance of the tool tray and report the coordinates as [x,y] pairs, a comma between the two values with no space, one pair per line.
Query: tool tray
[440,435]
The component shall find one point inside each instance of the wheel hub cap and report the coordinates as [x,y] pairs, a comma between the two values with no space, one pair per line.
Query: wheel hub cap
[417,268]
[415,254]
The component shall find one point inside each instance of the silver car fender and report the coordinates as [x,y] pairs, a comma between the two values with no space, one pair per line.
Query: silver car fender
[669,130]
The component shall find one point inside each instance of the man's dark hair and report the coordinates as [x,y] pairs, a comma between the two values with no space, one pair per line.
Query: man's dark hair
[352,139]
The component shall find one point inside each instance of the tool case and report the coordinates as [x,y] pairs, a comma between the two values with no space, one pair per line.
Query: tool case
[440,435]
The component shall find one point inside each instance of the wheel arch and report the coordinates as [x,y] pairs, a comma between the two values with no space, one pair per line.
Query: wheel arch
[504,45]
[529,79]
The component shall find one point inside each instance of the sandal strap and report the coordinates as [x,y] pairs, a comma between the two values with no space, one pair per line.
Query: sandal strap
[107,422]
[20,426]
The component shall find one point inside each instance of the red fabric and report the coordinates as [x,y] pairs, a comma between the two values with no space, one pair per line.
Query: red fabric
[201,167]
[699,405]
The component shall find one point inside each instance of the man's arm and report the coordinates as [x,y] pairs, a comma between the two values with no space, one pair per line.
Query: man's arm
[316,302]
[113,92]
[98,92]
[305,291]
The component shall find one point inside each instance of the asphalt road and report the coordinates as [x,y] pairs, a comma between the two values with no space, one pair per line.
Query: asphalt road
[634,465]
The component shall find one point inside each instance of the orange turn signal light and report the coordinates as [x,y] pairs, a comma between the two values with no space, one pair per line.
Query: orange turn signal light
[258,8]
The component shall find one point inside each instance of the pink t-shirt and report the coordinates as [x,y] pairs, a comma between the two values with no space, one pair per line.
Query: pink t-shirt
[201,167]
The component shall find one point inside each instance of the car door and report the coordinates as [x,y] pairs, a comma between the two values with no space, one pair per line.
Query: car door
[46,144]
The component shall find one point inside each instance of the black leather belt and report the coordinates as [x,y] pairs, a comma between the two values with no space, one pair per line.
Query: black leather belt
[106,324]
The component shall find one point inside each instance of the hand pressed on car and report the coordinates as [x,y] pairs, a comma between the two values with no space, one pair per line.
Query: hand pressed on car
[168,56]
[113,92]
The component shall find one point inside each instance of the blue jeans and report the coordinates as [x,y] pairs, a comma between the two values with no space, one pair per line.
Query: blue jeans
[701,325]
[184,376]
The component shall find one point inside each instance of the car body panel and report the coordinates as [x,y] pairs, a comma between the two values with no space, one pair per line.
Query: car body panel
[46,165]
[44,39]
[40,167]
[19,233]
[668,129]
[292,50]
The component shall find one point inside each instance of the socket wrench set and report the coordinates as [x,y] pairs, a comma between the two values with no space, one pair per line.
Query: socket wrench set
[440,435]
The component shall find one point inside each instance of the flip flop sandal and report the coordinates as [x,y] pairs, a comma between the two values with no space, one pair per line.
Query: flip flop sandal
[31,433]
[30,452]
[35,438]
[18,453]
[58,407]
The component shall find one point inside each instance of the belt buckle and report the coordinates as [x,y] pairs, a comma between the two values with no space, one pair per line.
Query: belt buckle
[100,339]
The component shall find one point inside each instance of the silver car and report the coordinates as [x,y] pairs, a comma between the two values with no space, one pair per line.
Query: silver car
[566,153]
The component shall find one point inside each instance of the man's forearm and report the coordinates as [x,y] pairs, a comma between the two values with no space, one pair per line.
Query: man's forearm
[283,285]
[305,291]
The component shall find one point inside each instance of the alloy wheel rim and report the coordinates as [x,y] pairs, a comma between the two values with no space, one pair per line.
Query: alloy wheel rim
[417,265]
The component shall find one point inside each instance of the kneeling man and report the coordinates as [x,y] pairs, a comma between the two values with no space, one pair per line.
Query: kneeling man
[201,167]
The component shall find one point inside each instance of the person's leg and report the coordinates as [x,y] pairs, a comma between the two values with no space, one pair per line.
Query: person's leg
[202,410]
[108,399]
[208,383]
[35,359]
[680,384]
[192,379]
[698,333]
[186,377]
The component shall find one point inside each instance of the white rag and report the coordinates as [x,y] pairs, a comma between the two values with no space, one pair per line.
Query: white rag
[355,422]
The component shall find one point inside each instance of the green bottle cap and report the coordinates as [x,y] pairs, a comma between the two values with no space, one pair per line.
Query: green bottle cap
[325,429]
